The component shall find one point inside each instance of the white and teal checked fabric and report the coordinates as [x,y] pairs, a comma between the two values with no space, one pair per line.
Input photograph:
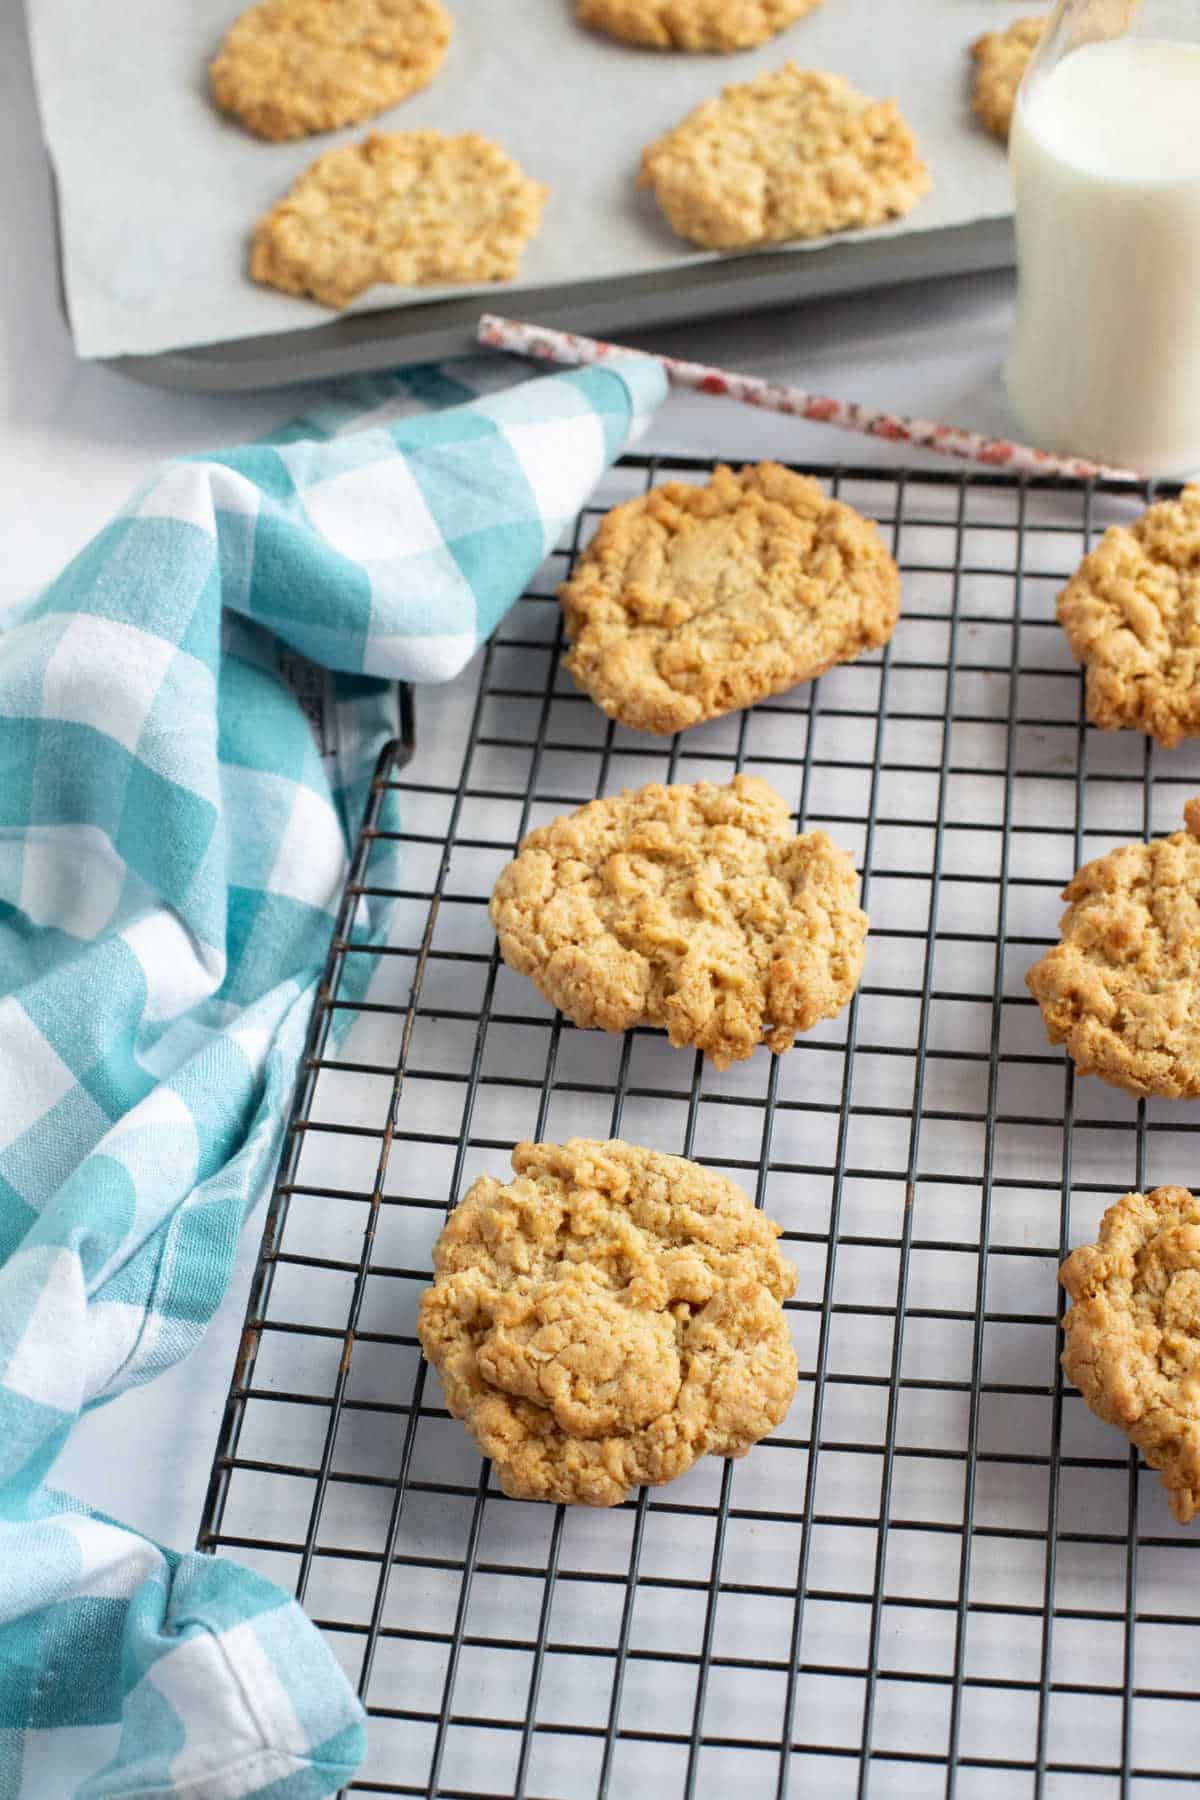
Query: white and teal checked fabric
[172,845]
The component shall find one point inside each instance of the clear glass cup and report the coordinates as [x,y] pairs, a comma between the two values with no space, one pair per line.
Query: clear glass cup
[1105,157]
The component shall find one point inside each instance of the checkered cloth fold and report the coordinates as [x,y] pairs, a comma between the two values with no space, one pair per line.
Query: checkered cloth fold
[173,838]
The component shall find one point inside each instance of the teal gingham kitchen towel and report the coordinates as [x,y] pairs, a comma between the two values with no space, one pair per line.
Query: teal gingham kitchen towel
[173,839]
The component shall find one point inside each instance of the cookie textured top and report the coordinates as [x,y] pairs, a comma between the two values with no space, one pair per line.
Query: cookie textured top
[607,1318]
[693,601]
[1001,59]
[1122,989]
[411,207]
[693,24]
[791,154]
[1131,613]
[289,67]
[691,907]
[1133,1333]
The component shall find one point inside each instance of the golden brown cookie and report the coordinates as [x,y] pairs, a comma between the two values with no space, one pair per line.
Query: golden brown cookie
[1122,989]
[1133,1332]
[1131,613]
[693,24]
[410,207]
[1001,59]
[691,907]
[791,154]
[690,602]
[288,67]
[607,1318]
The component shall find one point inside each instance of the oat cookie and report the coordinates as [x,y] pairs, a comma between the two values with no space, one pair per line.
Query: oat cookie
[690,602]
[411,207]
[791,154]
[691,907]
[1133,1332]
[1001,59]
[693,24]
[1131,613]
[606,1318]
[1122,989]
[288,67]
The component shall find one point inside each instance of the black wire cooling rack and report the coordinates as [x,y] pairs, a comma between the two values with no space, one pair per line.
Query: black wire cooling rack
[941,1575]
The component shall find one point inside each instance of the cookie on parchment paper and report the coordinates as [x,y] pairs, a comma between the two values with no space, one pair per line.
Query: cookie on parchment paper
[792,154]
[415,208]
[693,24]
[1122,988]
[693,907]
[1131,613]
[1001,59]
[1132,1332]
[606,1318]
[690,602]
[290,67]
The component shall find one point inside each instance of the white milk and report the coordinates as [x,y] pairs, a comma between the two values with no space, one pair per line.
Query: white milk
[1105,152]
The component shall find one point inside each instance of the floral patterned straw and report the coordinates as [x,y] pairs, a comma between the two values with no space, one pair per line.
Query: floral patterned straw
[569,348]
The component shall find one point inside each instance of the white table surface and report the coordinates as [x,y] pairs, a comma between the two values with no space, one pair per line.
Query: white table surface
[74,438]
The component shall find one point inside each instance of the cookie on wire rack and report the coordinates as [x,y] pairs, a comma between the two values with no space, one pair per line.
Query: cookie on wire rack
[416,208]
[1132,1332]
[692,907]
[607,1317]
[794,153]
[290,67]
[1131,613]
[1122,988]
[713,25]
[691,602]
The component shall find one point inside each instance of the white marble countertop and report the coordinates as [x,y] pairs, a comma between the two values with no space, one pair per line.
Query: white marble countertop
[74,438]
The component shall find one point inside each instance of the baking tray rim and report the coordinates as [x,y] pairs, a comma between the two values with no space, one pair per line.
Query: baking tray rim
[399,337]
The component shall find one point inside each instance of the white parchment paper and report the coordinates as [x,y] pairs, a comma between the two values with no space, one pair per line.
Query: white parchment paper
[158,192]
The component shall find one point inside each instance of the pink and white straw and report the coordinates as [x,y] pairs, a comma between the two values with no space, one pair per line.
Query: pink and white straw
[570,349]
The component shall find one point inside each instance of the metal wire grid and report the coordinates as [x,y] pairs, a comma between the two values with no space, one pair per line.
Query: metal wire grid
[941,1575]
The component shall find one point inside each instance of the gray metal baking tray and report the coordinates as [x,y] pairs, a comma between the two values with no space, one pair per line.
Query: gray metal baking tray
[173,306]
[731,286]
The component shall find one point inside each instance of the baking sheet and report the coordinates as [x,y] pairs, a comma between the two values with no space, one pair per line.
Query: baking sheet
[158,192]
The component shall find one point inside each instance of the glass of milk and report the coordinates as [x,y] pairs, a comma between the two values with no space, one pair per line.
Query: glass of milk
[1105,155]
